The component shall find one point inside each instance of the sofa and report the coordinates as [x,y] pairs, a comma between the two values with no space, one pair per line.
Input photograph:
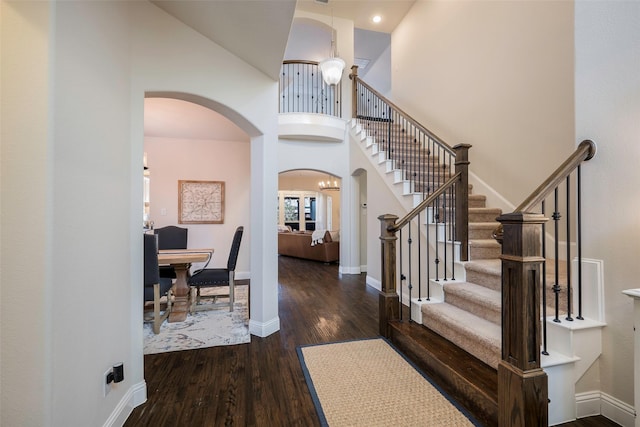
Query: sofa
[298,244]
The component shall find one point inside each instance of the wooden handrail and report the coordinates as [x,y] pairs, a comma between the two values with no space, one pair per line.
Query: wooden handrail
[585,151]
[299,61]
[423,204]
[354,76]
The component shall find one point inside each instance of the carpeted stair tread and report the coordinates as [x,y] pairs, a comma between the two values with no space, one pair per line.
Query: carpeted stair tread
[485,243]
[486,266]
[478,336]
[484,249]
[482,230]
[484,214]
[480,300]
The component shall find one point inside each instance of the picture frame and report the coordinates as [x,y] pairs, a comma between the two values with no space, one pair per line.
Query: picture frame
[201,202]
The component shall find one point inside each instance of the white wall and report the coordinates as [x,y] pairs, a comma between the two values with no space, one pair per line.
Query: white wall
[26,168]
[171,159]
[380,201]
[607,37]
[72,215]
[375,46]
[92,241]
[74,78]
[497,75]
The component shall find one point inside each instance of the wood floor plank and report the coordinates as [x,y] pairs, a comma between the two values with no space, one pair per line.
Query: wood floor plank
[261,383]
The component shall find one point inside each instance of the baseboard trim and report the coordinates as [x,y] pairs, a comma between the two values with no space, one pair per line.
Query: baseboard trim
[374,283]
[264,329]
[598,403]
[349,270]
[135,396]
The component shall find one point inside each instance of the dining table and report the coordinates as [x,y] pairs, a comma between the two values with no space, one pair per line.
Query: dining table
[181,260]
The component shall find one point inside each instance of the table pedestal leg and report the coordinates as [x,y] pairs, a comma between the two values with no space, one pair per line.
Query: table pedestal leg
[181,294]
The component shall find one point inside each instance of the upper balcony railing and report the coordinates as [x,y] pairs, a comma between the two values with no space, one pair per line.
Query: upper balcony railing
[302,90]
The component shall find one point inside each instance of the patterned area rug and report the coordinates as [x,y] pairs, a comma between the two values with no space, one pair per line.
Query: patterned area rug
[209,328]
[368,383]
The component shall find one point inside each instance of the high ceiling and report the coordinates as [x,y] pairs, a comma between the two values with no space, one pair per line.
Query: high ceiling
[257,31]
[361,12]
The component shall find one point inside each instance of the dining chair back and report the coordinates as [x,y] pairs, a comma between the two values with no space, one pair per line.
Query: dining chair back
[216,277]
[171,237]
[155,287]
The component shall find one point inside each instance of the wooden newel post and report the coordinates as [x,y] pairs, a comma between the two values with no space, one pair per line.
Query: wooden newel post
[388,298]
[462,199]
[354,91]
[522,384]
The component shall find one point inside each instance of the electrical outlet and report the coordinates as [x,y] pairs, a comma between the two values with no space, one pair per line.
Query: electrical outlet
[106,385]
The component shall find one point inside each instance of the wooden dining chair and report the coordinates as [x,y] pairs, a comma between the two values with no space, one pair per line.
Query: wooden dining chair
[171,237]
[155,287]
[216,277]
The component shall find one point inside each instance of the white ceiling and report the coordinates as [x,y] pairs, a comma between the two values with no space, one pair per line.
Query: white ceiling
[174,118]
[258,31]
[362,11]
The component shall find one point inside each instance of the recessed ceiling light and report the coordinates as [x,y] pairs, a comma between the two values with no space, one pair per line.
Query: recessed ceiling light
[376,18]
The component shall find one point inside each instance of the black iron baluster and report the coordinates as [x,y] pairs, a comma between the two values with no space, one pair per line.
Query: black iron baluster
[544,285]
[428,257]
[436,261]
[389,128]
[556,286]
[445,214]
[453,233]
[579,232]
[297,105]
[402,276]
[568,215]
[419,259]
[409,245]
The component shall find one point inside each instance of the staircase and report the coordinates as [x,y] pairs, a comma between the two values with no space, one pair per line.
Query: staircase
[467,311]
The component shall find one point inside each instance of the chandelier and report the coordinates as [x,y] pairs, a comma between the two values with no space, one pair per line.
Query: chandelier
[332,67]
[329,185]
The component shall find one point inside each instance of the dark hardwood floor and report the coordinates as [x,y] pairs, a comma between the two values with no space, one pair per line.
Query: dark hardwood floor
[261,383]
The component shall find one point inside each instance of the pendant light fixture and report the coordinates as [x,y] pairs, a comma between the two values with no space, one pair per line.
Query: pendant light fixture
[332,67]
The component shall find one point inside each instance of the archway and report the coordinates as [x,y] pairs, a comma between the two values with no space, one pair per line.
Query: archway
[309,216]
[246,190]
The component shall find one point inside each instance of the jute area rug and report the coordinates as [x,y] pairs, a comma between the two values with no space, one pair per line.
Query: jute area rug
[368,383]
[201,329]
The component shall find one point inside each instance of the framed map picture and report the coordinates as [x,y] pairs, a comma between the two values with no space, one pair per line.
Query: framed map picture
[200,202]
